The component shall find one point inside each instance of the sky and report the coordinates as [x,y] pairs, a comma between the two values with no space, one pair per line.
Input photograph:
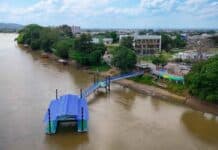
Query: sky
[112,13]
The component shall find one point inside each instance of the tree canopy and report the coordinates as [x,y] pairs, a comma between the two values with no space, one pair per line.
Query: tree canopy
[168,43]
[84,43]
[127,42]
[114,36]
[65,30]
[59,40]
[159,60]
[202,81]
[124,58]
[63,47]
[38,37]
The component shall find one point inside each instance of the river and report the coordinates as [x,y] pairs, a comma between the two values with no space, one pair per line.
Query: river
[122,120]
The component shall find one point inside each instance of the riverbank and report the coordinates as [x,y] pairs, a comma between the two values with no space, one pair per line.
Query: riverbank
[143,88]
[168,96]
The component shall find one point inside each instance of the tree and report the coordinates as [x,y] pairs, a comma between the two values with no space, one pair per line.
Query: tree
[65,30]
[160,60]
[48,37]
[127,42]
[63,47]
[84,43]
[202,80]
[114,36]
[166,42]
[31,32]
[99,47]
[124,59]
[35,44]
[95,57]
[20,38]
[179,42]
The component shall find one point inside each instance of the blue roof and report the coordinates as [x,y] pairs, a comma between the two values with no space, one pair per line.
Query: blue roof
[67,105]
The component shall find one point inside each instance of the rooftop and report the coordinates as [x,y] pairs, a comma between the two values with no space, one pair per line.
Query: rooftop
[138,37]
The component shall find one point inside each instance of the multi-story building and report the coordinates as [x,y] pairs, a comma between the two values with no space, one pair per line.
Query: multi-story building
[75,29]
[147,44]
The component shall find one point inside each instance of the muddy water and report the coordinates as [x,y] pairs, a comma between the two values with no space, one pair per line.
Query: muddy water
[120,120]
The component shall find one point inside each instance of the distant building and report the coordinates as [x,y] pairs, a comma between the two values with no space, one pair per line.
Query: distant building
[192,55]
[95,40]
[184,36]
[107,41]
[76,29]
[147,44]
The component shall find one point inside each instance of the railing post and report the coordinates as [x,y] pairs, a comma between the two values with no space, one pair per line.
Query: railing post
[56,91]
[109,83]
[94,78]
[81,91]
[106,85]
[49,121]
[82,118]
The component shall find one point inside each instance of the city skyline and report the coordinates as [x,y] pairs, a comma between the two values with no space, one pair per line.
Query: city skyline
[113,13]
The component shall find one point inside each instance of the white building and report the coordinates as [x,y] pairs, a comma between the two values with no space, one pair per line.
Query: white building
[107,41]
[75,29]
[186,55]
[95,40]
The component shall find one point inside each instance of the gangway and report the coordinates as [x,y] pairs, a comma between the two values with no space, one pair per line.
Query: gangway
[106,82]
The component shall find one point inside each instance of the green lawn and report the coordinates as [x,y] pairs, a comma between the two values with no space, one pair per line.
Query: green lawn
[145,79]
[100,68]
[177,88]
[170,86]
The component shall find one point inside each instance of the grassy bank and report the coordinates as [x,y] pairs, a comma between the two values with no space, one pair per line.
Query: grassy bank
[167,85]
[176,88]
[145,79]
[100,68]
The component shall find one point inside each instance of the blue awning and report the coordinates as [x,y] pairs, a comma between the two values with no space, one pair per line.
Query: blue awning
[67,105]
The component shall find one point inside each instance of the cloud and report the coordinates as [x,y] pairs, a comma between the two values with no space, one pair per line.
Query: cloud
[157,4]
[58,11]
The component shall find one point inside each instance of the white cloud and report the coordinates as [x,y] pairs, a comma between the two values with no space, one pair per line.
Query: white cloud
[157,4]
[72,9]
[199,8]
[143,7]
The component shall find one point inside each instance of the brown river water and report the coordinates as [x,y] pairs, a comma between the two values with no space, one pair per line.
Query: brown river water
[121,120]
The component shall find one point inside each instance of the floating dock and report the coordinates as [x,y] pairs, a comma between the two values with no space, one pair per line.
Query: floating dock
[67,108]
[74,108]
